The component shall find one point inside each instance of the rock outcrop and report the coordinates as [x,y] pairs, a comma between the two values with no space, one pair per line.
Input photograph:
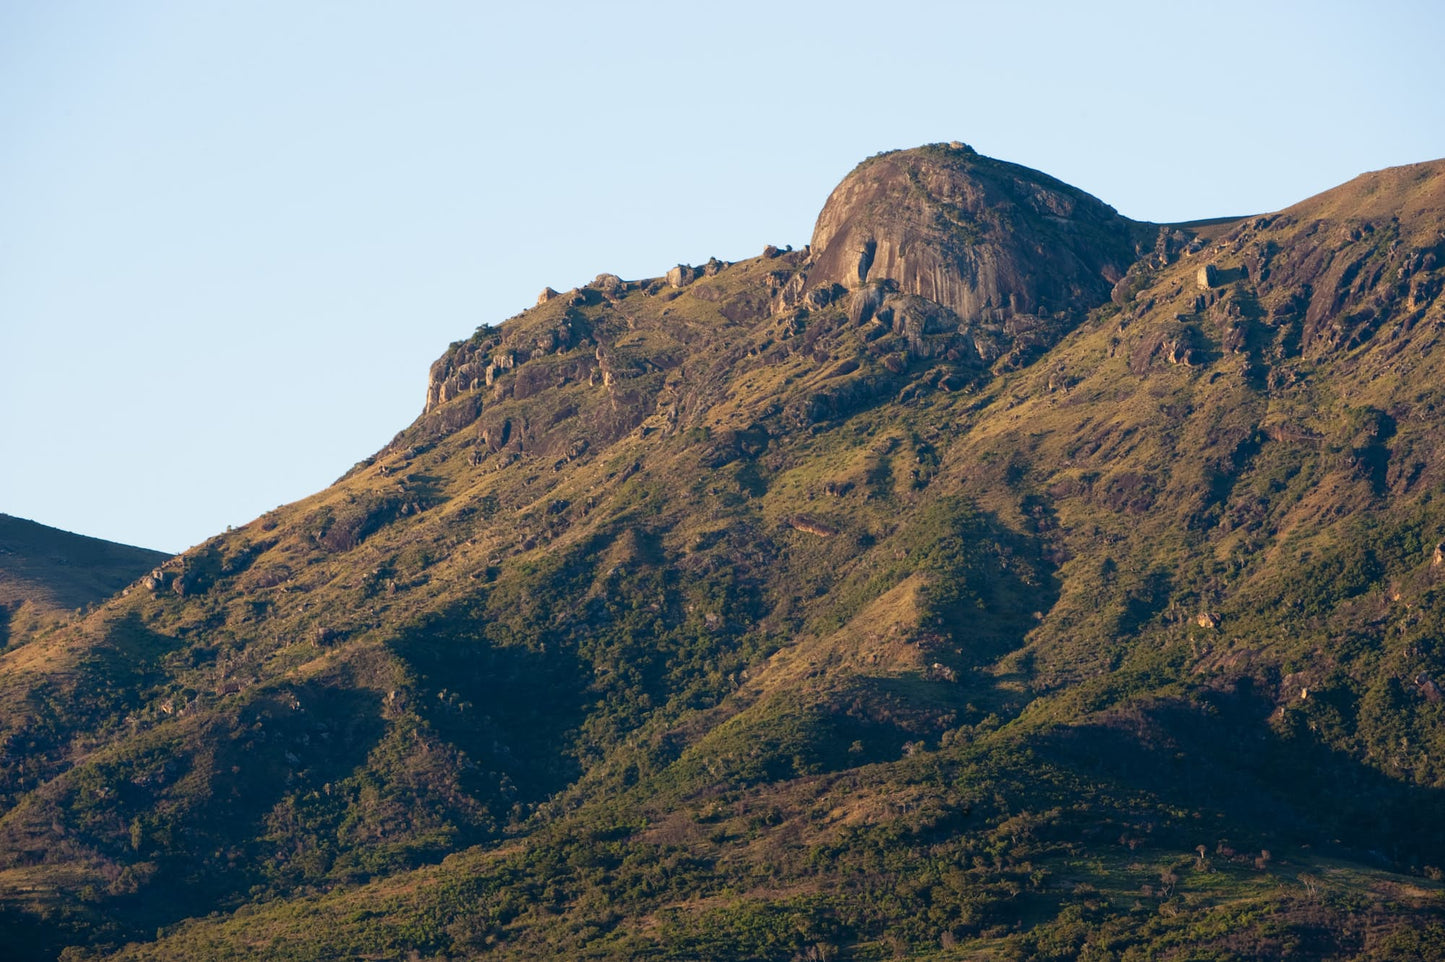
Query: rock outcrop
[984,238]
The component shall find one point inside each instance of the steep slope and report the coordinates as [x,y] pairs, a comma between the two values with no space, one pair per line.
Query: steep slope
[46,573]
[757,612]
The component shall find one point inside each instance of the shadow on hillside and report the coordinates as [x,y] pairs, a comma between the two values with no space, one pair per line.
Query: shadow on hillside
[510,709]
[986,587]
[280,743]
[184,823]
[1223,760]
[1143,601]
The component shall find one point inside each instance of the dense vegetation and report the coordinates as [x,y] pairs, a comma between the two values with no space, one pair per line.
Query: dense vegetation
[702,620]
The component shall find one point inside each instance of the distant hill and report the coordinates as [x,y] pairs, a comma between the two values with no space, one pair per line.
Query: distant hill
[995,578]
[55,572]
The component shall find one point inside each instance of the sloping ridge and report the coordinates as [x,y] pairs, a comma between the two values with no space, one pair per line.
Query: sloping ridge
[1412,194]
[56,569]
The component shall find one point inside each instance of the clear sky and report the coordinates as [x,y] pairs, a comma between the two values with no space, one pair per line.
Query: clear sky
[234,235]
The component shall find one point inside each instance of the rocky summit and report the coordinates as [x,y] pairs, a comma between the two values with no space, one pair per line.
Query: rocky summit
[988,240]
[995,577]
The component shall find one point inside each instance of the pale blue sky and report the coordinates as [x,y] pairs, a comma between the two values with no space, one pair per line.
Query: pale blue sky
[234,235]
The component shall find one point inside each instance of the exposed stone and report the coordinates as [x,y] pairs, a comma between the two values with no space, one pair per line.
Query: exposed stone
[546,295]
[812,526]
[930,329]
[979,236]
[502,362]
[495,437]
[789,294]
[1168,245]
[713,267]
[864,302]
[682,275]
[1206,619]
[822,296]
[608,283]
[1428,687]
[1206,276]
[1178,351]
[189,581]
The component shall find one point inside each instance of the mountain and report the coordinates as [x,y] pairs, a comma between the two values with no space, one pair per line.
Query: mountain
[46,573]
[996,577]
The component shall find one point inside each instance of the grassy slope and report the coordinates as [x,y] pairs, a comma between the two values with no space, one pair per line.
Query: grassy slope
[795,657]
[46,573]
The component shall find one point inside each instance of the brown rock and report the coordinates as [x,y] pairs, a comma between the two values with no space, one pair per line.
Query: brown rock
[865,302]
[980,236]
[157,581]
[821,296]
[812,526]
[1427,687]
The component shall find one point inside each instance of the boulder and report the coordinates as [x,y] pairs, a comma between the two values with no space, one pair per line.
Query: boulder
[157,581]
[787,294]
[813,526]
[821,296]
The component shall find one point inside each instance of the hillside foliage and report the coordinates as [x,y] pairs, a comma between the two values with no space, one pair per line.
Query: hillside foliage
[737,616]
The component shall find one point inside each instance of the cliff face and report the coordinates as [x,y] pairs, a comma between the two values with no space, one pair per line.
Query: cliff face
[984,238]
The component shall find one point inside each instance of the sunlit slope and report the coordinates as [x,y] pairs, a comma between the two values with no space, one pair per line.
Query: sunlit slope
[767,611]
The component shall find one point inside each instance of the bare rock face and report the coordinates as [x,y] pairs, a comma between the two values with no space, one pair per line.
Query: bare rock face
[609,284]
[984,238]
